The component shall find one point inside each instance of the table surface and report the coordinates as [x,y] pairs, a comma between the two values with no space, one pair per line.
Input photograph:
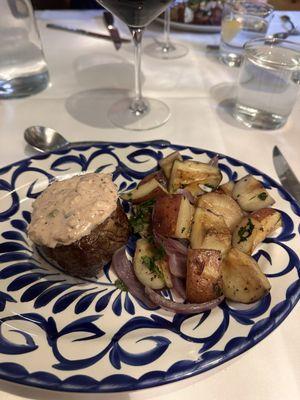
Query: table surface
[86,76]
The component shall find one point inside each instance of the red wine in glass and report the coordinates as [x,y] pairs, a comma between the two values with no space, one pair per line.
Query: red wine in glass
[137,113]
[135,13]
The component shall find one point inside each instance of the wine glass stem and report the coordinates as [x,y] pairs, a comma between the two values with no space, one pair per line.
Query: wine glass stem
[167,28]
[138,105]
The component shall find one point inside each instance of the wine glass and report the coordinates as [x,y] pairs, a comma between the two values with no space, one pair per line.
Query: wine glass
[166,50]
[137,113]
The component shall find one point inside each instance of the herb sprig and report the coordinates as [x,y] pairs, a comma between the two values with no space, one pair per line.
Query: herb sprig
[140,219]
[245,231]
[119,284]
[150,263]
[262,196]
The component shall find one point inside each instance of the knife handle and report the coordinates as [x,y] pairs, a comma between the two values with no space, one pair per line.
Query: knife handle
[108,18]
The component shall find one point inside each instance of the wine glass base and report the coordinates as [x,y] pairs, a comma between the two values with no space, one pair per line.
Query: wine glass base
[122,116]
[171,52]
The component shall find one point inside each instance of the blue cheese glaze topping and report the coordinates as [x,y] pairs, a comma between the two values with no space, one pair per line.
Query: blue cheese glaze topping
[70,209]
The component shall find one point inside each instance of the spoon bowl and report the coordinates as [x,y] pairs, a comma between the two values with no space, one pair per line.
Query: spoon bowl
[47,139]
[44,139]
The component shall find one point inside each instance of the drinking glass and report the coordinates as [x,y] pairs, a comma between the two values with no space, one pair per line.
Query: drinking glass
[242,21]
[23,69]
[166,50]
[268,83]
[137,113]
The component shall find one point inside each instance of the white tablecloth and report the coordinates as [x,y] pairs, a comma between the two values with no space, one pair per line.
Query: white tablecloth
[87,75]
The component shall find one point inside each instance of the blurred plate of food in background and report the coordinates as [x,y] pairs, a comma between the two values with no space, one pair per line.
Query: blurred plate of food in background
[196,16]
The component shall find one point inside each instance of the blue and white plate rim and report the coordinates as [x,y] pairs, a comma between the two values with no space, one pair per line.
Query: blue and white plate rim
[51,382]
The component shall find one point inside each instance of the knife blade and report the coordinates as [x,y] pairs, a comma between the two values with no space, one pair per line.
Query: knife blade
[84,32]
[112,30]
[286,175]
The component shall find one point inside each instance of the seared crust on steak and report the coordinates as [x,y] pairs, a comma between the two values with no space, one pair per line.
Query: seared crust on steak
[87,256]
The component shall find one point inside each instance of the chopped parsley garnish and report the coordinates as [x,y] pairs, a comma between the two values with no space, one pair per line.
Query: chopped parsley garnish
[150,239]
[159,253]
[149,262]
[141,216]
[245,231]
[157,250]
[262,196]
[121,285]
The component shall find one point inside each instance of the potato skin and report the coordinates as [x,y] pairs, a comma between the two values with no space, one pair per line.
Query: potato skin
[203,281]
[87,256]
[165,214]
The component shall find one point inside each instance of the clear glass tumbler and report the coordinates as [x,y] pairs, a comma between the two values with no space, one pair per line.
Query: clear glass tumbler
[268,83]
[242,21]
[23,69]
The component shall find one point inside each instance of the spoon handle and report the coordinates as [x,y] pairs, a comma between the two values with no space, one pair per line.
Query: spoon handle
[158,142]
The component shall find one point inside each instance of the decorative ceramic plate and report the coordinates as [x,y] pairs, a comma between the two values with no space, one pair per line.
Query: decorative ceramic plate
[181,26]
[67,334]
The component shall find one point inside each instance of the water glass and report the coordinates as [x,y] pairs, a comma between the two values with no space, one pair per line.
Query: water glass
[268,83]
[242,21]
[23,69]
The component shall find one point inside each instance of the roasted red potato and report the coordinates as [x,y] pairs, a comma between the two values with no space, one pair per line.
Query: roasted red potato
[269,218]
[149,190]
[203,280]
[158,175]
[223,205]
[209,231]
[226,188]
[186,172]
[172,216]
[243,280]
[195,189]
[150,271]
[253,229]
[166,163]
[251,194]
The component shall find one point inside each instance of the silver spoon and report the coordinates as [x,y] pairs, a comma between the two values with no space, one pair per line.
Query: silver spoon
[47,139]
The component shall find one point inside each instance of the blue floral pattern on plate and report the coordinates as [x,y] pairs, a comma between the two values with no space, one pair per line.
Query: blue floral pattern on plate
[62,333]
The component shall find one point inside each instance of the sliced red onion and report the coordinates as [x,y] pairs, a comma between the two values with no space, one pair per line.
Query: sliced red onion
[170,245]
[179,286]
[214,161]
[189,308]
[177,264]
[124,270]
[187,194]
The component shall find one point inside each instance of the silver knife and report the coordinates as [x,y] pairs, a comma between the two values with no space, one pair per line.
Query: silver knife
[286,176]
[113,31]
[84,32]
